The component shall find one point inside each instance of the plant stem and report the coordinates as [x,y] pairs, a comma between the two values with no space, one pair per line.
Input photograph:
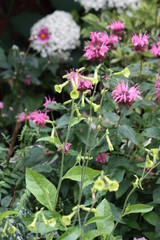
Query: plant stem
[63,153]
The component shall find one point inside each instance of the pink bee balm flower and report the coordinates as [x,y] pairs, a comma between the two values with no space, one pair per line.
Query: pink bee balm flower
[97,46]
[47,101]
[101,158]
[83,85]
[140,42]
[156,49]
[43,35]
[143,238]
[157,85]
[125,95]
[117,28]
[38,118]
[66,147]
[1,105]
[112,39]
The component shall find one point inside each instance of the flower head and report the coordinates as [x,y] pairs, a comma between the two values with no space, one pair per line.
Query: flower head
[47,101]
[92,4]
[123,94]
[156,49]
[143,238]
[56,34]
[157,85]
[117,28]
[97,46]
[1,105]
[140,41]
[113,39]
[43,35]
[66,147]
[83,85]
[38,118]
[101,158]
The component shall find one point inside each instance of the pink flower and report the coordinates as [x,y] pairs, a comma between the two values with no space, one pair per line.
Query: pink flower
[101,158]
[97,46]
[1,105]
[27,81]
[157,85]
[143,238]
[66,147]
[38,118]
[112,39]
[123,94]
[43,35]
[117,28]
[83,85]
[156,49]
[47,101]
[140,42]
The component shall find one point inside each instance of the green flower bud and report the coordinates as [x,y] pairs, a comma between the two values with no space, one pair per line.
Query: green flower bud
[44,220]
[126,72]
[52,222]
[78,113]
[4,229]
[32,226]
[136,183]
[66,220]
[109,141]
[67,102]
[113,186]
[96,107]
[149,163]
[11,229]
[74,94]
[58,88]
[83,103]
[99,127]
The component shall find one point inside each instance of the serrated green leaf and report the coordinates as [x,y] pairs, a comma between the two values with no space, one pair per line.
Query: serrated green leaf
[127,132]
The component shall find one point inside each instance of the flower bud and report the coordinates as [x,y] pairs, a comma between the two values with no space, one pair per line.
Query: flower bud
[11,229]
[74,94]
[96,107]
[149,163]
[126,72]
[44,220]
[109,141]
[78,113]
[58,88]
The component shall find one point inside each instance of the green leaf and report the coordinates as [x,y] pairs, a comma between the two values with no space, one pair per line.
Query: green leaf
[2,55]
[75,173]
[5,202]
[75,121]
[71,233]
[151,218]
[138,208]
[127,132]
[93,234]
[56,107]
[153,132]
[62,121]
[106,225]
[44,191]
[7,213]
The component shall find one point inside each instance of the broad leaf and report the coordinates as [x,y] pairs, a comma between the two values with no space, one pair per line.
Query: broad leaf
[41,188]
[71,233]
[138,208]
[7,213]
[127,132]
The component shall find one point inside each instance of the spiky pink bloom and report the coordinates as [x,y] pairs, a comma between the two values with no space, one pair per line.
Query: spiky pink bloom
[38,118]
[83,85]
[117,28]
[143,238]
[156,49]
[125,95]
[101,158]
[97,46]
[157,85]
[1,105]
[43,35]
[113,39]
[140,42]
[66,147]
[48,100]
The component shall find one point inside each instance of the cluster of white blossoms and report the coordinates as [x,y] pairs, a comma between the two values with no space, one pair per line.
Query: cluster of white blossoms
[55,34]
[92,4]
[123,3]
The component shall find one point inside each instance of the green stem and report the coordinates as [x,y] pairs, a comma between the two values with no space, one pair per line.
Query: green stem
[63,153]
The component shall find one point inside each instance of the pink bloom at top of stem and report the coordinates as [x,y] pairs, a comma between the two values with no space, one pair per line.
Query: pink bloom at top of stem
[1,105]
[143,238]
[117,27]
[157,91]
[66,147]
[112,39]
[101,158]
[156,49]
[48,100]
[97,46]
[83,85]
[38,118]
[123,94]
[43,35]
[140,41]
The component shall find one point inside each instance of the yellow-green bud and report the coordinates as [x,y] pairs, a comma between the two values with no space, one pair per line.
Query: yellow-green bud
[126,72]
[113,186]
[32,226]
[44,220]
[74,94]
[58,88]
[149,163]
[66,220]
[99,127]
[78,113]
[136,183]
[96,107]
[4,229]
[67,102]
[11,229]
[83,103]
[52,222]
[109,141]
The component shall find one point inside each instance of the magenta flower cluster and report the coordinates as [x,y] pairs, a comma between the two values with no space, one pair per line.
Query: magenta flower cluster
[125,95]
[156,49]
[66,147]
[157,91]
[83,85]
[101,158]
[140,42]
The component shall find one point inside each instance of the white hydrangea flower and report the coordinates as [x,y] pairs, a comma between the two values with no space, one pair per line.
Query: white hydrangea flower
[55,34]
[92,4]
[123,3]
